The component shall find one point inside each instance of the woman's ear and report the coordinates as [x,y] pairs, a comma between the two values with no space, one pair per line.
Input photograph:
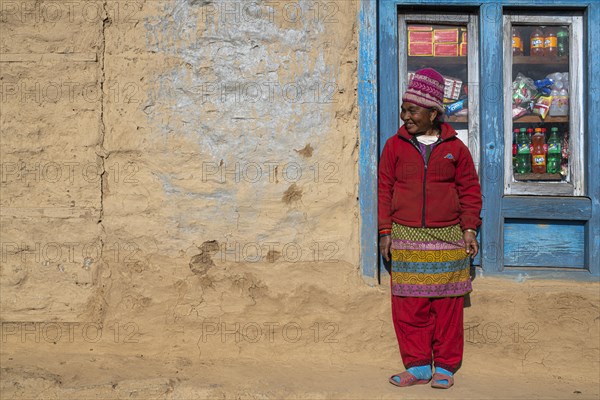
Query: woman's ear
[433,115]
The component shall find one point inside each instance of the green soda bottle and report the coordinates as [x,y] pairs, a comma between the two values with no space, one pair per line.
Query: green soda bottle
[554,152]
[563,42]
[523,152]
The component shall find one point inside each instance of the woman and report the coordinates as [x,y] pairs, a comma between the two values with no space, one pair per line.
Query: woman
[429,204]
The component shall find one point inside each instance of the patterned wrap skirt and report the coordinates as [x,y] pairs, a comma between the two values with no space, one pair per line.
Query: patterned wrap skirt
[429,262]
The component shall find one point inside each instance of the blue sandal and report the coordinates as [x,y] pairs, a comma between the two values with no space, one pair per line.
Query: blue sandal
[439,378]
[405,379]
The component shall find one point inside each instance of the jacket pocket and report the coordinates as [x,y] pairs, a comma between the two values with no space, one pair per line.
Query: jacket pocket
[443,205]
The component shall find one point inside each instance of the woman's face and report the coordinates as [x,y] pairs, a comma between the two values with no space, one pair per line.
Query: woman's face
[417,120]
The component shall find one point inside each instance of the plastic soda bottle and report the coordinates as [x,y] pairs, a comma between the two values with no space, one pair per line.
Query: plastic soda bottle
[523,153]
[545,142]
[554,152]
[562,42]
[514,147]
[538,155]
[517,43]
[550,42]
[529,136]
[536,42]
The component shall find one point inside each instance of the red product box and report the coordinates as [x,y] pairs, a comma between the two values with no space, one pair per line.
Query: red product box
[420,27]
[463,38]
[446,35]
[420,49]
[463,49]
[446,50]
[420,37]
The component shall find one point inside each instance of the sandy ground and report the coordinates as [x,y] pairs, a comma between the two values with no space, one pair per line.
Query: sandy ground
[242,331]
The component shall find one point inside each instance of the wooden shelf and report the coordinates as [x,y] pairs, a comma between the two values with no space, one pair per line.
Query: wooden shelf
[540,60]
[462,60]
[537,177]
[535,119]
[454,118]
[436,61]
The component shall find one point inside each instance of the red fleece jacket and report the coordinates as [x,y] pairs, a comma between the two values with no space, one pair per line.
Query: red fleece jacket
[444,192]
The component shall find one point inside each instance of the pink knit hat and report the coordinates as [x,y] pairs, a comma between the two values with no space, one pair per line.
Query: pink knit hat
[426,89]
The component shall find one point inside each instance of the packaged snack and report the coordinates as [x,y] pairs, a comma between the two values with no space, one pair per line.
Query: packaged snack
[452,87]
[523,89]
[543,83]
[518,112]
[544,86]
[542,106]
[453,108]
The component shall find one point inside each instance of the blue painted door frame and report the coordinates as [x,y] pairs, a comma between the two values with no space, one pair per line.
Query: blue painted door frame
[378,120]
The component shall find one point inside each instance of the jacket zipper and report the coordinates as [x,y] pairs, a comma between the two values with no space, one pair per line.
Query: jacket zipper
[425,163]
[424,195]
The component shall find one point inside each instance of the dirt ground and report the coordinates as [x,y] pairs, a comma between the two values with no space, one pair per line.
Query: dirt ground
[311,331]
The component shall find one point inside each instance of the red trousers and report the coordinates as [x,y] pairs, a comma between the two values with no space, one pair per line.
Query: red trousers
[429,329]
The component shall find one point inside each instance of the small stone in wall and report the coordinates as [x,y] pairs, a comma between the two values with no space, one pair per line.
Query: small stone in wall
[306,152]
[292,194]
[200,263]
[273,255]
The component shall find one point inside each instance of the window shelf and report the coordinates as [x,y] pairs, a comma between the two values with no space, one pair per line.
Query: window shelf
[459,119]
[534,119]
[530,60]
[436,62]
[538,177]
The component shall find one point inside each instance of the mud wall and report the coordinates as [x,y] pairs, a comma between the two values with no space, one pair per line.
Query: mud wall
[146,141]
[179,189]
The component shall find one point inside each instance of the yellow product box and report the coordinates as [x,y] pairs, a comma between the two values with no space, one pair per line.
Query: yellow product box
[445,35]
[420,49]
[446,50]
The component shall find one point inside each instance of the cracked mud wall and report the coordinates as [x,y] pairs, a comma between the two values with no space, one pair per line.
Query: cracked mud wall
[134,132]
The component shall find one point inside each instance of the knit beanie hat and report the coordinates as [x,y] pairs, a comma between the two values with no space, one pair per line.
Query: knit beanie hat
[426,89]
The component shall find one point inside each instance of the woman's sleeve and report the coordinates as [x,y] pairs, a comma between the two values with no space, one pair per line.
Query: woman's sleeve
[469,190]
[385,187]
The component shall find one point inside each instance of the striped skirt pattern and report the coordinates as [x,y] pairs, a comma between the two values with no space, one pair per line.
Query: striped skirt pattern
[429,262]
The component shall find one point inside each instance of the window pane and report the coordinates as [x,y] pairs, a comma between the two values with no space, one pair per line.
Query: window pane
[540,103]
[444,48]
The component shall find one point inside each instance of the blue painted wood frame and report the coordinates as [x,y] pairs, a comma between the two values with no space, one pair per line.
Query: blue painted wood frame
[384,99]
[491,171]
[592,235]
[368,155]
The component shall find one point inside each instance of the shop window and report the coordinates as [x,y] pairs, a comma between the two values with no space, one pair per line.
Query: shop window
[543,105]
[446,42]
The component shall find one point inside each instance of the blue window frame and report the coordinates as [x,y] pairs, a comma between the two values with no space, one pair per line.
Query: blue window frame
[378,119]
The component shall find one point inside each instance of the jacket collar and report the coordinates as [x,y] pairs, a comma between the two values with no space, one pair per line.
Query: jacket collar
[447,132]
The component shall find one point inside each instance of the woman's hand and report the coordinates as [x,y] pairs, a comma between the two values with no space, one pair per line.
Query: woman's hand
[471,246]
[385,244]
